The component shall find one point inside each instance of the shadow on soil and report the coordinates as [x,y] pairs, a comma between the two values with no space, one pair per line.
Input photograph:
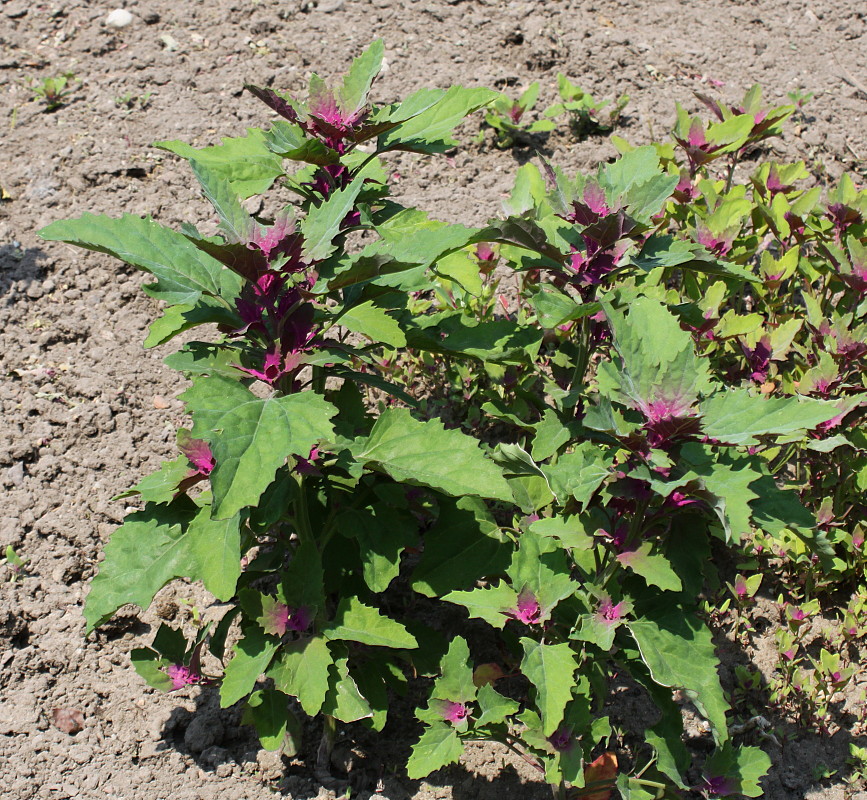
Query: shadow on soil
[20,264]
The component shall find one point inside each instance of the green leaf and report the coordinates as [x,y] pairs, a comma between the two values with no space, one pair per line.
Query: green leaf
[551,435]
[216,548]
[554,308]
[464,543]
[245,161]
[236,223]
[179,318]
[653,567]
[743,766]
[269,712]
[251,437]
[301,670]
[322,222]
[735,417]
[456,682]
[662,366]
[430,131]
[374,322]
[344,701]
[357,82]
[205,358]
[253,654]
[428,454]
[438,746]
[151,668]
[133,573]
[580,473]
[495,708]
[290,141]
[488,603]
[162,485]
[550,668]
[183,272]
[356,622]
[678,650]
[382,536]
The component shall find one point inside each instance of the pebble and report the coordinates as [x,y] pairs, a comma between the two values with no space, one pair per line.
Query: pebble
[119,18]
[81,753]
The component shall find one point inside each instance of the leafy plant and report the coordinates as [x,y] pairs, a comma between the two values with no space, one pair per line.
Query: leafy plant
[53,91]
[624,432]
[583,111]
[508,118]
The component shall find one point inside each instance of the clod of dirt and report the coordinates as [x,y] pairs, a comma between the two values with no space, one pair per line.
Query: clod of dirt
[67,720]
[205,730]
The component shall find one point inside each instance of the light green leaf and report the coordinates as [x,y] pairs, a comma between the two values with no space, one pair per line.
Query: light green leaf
[439,745]
[356,622]
[322,222]
[344,701]
[430,131]
[678,650]
[179,318]
[183,272]
[495,708]
[216,547]
[456,681]
[237,224]
[488,603]
[580,473]
[301,670]
[162,485]
[551,669]
[374,322]
[253,654]
[428,454]
[735,417]
[244,161]
[251,437]
[357,82]
[133,573]
[653,567]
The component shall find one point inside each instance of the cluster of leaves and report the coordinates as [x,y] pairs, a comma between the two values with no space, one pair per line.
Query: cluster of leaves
[509,117]
[54,90]
[629,439]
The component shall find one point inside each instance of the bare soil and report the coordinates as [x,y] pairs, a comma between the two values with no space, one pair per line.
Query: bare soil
[86,412]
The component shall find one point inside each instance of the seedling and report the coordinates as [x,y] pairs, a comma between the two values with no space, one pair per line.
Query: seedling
[53,91]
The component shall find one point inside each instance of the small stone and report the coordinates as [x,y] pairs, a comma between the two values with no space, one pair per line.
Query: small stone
[15,474]
[119,18]
[34,290]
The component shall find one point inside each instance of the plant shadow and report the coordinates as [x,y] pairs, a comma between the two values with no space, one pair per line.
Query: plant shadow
[18,264]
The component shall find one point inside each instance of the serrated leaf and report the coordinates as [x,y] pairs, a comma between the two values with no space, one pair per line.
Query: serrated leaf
[554,308]
[162,485]
[495,708]
[551,669]
[205,358]
[438,746]
[357,82]
[456,680]
[735,417]
[488,603]
[253,654]
[578,474]
[430,131]
[428,454]
[374,322]
[251,437]
[322,223]
[244,161]
[151,668]
[183,272]
[569,531]
[301,670]
[132,573]
[344,701]
[356,622]
[678,650]
[216,547]
[382,536]
[653,567]
[236,223]
[462,545]
[179,318]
